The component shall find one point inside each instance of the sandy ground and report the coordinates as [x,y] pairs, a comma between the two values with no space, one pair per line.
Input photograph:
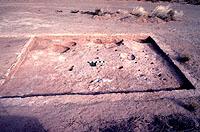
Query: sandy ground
[149,111]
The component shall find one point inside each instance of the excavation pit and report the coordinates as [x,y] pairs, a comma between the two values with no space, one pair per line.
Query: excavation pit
[99,64]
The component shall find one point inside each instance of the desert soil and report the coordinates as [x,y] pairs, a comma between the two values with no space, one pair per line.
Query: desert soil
[168,110]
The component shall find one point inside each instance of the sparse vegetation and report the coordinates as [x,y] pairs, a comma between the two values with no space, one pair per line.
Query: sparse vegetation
[139,11]
[166,13]
[193,2]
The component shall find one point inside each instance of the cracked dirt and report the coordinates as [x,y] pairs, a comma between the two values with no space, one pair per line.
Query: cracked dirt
[44,87]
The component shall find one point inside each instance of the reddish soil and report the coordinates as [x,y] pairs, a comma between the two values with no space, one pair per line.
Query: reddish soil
[89,65]
[56,61]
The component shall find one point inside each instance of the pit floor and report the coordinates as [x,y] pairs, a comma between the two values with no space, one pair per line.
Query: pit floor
[88,65]
[149,111]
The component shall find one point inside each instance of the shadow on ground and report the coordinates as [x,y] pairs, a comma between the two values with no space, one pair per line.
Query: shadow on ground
[20,124]
[173,122]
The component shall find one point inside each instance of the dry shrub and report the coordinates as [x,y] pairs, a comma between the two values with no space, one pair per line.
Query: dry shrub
[194,2]
[139,11]
[166,13]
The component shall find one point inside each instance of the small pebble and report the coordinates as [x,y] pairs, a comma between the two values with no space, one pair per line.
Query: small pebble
[71,68]
[120,67]
[73,43]
[74,11]
[120,42]
[159,75]
[59,11]
[141,75]
[132,57]
[92,63]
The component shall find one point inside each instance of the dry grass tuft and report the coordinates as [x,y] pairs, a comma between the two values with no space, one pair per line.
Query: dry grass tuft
[139,11]
[166,13]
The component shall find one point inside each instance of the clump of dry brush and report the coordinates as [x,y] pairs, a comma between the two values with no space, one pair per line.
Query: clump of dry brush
[139,11]
[165,13]
[193,2]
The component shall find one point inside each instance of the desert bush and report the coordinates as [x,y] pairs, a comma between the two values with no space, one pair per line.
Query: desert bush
[139,11]
[166,13]
[194,2]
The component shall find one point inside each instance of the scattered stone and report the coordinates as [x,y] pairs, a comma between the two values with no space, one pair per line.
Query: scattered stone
[159,75]
[119,43]
[100,63]
[97,12]
[73,43]
[71,68]
[151,63]
[96,62]
[74,11]
[142,75]
[132,57]
[59,11]
[92,63]
[120,67]
[120,11]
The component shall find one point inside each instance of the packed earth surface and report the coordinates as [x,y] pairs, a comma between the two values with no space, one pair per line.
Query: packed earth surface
[73,65]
